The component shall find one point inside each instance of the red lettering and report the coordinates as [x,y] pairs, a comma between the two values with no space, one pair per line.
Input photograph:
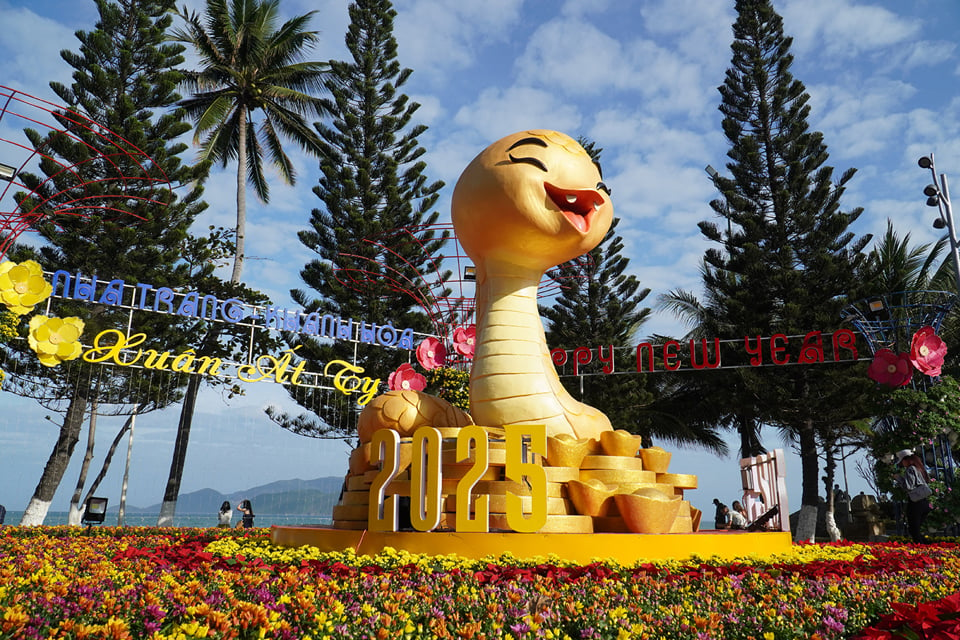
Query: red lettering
[844,339]
[559,357]
[607,362]
[581,355]
[706,354]
[757,351]
[776,349]
[812,349]
[670,356]
[640,348]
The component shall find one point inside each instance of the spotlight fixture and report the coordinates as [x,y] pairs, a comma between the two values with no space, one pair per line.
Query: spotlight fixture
[925,162]
[7,172]
[470,273]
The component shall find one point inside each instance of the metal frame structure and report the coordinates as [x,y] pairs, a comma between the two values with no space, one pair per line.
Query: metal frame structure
[129,167]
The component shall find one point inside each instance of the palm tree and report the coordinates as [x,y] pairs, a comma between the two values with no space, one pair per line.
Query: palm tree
[248,66]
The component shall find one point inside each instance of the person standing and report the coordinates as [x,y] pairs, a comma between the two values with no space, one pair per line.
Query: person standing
[721,518]
[247,510]
[915,481]
[225,515]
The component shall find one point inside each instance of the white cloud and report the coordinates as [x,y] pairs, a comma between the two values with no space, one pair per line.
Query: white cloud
[31,68]
[498,112]
[845,29]
[436,36]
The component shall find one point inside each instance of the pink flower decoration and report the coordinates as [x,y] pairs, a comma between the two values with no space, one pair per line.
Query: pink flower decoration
[464,339]
[890,368]
[431,353]
[927,351]
[406,378]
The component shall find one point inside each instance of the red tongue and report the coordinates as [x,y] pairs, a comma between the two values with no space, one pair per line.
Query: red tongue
[576,204]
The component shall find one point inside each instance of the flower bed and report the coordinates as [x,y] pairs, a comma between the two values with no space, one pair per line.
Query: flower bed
[60,582]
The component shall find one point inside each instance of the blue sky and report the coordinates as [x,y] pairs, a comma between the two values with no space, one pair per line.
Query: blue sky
[639,77]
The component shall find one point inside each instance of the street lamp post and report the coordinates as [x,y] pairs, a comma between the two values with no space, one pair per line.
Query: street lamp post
[938,195]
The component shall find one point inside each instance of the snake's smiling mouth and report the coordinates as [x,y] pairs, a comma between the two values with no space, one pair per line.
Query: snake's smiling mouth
[577,205]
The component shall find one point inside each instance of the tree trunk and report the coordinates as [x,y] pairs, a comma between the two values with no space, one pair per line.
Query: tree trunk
[36,511]
[830,466]
[109,457]
[75,515]
[240,239]
[809,468]
[126,471]
[169,507]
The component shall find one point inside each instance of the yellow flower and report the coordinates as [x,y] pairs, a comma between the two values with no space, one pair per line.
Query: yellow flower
[55,340]
[22,286]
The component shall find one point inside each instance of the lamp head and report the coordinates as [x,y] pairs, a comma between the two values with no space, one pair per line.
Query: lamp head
[925,162]
[931,190]
[938,223]
[933,201]
[7,172]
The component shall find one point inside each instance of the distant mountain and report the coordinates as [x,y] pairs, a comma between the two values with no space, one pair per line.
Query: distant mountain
[284,497]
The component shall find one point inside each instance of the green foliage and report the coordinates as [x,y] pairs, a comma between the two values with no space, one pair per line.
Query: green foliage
[921,416]
[371,233]
[451,385]
[249,66]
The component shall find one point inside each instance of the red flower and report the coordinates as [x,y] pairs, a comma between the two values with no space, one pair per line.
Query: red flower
[890,368]
[927,351]
[431,353]
[464,339]
[406,378]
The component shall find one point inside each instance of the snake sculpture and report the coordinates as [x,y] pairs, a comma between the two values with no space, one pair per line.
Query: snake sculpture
[527,203]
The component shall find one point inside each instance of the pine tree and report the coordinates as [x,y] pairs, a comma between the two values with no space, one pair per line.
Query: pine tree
[124,80]
[788,256]
[373,184]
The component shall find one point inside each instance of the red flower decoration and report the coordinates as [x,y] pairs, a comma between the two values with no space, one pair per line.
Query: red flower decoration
[464,339]
[406,378]
[431,353]
[890,368]
[927,351]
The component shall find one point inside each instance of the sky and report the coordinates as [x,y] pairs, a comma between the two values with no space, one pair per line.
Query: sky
[638,77]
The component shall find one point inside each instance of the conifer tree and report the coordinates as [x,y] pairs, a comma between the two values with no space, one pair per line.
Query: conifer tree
[373,183]
[788,258]
[124,80]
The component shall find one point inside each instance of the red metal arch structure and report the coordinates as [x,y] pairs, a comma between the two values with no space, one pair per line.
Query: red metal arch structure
[450,302]
[131,173]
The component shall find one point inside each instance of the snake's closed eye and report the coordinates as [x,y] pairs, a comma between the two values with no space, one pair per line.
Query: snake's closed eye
[604,188]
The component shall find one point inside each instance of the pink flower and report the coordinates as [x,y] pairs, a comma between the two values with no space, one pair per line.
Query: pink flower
[431,353]
[890,369]
[927,351]
[464,339]
[406,378]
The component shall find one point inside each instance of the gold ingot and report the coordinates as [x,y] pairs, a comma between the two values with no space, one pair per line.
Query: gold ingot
[655,459]
[678,480]
[695,515]
[360,459]
[370,476]
[501,487]
[682,524]
[617,476]
[612,462]
[610,524]
[353,512]
[355,497]
[591,498]
[554,524]
[494,457]
[632,487]
[648,510]
[620,443]
[561,474]
[498,504]
[563,450]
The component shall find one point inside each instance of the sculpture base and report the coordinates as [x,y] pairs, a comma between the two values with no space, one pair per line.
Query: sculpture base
[583,548]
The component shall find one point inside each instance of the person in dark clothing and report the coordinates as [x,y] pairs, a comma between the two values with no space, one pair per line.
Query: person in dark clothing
[916,483]
[721,518]
[246,521]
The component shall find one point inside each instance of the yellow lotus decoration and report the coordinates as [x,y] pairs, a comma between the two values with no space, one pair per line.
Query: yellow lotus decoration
[22,286]
[55,340]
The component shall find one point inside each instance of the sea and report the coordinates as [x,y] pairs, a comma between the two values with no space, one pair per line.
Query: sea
[140,519]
